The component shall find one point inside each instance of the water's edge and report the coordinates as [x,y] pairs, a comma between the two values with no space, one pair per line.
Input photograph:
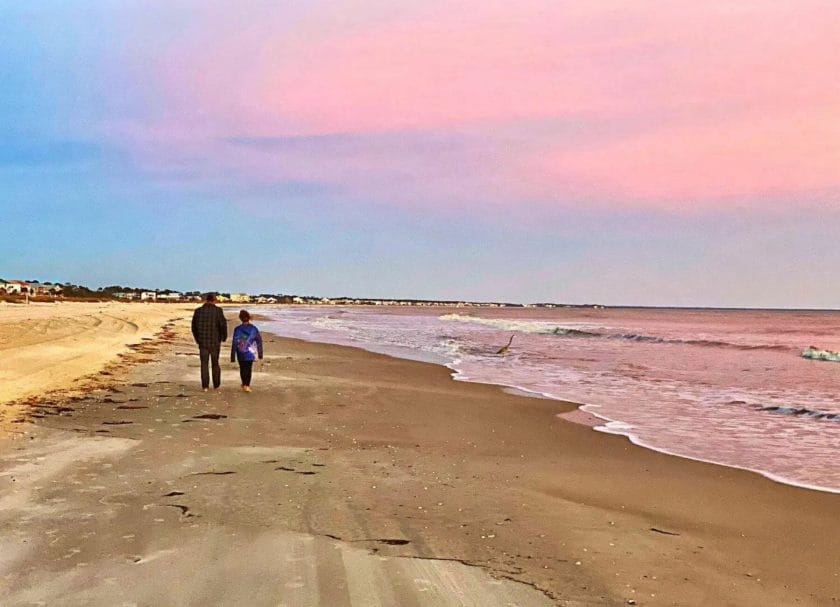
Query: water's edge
[610,427]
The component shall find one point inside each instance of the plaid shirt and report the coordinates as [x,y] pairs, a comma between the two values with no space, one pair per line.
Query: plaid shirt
[209,326]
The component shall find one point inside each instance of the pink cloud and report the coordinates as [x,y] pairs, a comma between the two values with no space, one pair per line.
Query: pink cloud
[683,166]
[688,101]
[444,68]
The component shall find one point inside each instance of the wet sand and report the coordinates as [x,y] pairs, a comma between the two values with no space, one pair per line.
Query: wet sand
[351,478]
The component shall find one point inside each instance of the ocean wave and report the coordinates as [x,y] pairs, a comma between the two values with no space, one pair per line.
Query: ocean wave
[546,328]
[718,409]
[710,343]
[803,412]
[817,354]
[522,326]
[330,323]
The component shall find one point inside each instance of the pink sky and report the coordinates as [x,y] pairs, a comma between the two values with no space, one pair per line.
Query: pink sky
[676,105]
[655,152]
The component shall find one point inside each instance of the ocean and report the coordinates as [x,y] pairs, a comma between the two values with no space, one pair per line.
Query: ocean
[723,386]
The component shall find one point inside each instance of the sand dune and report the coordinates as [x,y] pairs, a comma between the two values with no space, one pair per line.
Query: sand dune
[50,346]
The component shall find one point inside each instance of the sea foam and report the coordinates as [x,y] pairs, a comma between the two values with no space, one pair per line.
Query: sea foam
[727,387]
[817,354]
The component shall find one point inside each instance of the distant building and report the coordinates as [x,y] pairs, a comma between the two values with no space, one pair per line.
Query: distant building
[148,296]
[37,288]
[240,297]
[170,296]
[14,286]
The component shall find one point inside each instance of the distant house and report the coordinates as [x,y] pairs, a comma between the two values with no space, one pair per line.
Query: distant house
[37,288]
[170,296]
[148,296]
[240,297]
[127,295]
[14,287]
[17,287]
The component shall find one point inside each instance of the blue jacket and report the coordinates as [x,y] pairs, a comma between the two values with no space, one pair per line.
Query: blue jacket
[246,343]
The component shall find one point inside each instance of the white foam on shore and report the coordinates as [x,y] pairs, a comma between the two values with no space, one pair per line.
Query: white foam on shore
[587,414]
[620,428]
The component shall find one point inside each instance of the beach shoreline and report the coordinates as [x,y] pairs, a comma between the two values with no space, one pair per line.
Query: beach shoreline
[736,488]
[709,389]
[395,457]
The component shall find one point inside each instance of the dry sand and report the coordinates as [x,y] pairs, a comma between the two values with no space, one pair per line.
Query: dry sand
[350,478]
[50,346]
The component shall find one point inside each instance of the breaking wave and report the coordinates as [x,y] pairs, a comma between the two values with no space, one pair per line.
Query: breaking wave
[817,354]
[546,328]
[803,412]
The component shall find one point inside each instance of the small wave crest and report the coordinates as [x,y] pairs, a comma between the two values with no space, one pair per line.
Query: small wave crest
[817,354]
[330,323]
[710,343]
[545,328]
[521,326]
[803,412]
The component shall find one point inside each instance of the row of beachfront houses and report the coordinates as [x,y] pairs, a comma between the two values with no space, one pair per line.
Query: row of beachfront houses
[153,296]
[22,287]
[177,296]
[47,289]
[37,289]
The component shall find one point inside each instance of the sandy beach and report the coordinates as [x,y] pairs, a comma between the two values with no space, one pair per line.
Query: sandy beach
[351,478]
[57,346]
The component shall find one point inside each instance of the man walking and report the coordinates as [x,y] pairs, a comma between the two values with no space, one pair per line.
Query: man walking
[209,328]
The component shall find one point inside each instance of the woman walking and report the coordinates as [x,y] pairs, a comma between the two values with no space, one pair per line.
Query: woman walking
[246,347]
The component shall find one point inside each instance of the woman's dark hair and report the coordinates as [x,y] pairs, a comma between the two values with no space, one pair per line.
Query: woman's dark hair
[244,316]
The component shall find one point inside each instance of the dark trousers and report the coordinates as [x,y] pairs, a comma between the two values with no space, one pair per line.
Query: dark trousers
[245,367]
[207,355]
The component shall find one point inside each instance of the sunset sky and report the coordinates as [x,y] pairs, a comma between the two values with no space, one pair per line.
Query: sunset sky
[617,152]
